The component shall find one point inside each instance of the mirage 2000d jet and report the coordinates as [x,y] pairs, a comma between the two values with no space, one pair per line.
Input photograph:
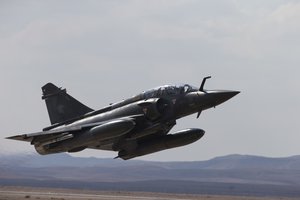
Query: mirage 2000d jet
[134,127]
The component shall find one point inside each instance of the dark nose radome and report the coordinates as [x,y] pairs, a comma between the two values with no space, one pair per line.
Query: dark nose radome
[222,96]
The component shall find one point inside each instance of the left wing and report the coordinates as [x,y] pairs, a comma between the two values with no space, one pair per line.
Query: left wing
[62,131]
[45,134]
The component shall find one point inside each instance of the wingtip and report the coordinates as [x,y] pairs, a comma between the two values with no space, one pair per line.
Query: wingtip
[10,137]
[17,137]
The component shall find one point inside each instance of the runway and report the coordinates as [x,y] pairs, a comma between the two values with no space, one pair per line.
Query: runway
[60,195]
[46,195]
[27,193]
[14,195]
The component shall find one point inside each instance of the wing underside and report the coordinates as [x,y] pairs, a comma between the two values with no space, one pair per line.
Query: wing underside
[44,134]
[102,127]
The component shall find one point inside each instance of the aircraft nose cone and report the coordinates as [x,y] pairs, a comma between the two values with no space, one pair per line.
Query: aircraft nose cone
[222,96]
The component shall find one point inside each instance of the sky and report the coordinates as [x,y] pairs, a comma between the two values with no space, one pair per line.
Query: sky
[106,51]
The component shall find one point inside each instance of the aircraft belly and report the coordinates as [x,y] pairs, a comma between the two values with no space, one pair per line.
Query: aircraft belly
[107,147]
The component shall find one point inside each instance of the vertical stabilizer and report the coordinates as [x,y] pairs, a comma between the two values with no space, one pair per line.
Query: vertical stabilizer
[61,106]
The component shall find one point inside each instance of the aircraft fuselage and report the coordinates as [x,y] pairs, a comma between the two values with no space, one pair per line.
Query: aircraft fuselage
[134,127]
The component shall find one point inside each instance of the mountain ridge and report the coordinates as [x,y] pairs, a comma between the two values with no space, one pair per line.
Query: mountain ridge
[232,161]
[238,171]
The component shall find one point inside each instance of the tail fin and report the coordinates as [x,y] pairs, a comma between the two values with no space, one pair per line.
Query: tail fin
[61,106]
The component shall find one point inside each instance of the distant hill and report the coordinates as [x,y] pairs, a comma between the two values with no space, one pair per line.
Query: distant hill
[230,174]
[225,162]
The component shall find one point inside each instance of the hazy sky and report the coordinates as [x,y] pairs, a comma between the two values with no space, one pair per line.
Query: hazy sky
[105,51]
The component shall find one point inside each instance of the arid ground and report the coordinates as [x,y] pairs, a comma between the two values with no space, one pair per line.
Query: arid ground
[19,193]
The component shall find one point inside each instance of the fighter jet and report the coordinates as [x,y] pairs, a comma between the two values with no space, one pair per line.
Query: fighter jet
[133,127]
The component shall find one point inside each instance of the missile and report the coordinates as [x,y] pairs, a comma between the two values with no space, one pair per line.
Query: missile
[180,138]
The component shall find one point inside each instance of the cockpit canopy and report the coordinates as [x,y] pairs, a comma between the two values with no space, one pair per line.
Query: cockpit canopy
[166,91]
[169,90]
